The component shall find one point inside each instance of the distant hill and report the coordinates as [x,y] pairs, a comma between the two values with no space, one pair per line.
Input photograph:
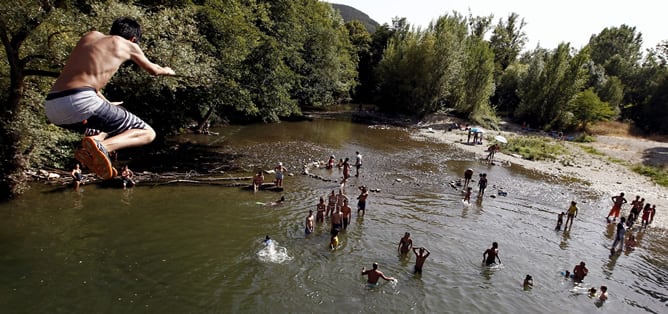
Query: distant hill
[349,14]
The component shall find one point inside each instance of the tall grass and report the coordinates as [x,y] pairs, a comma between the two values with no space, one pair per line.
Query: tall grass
[535,148]
[657,174]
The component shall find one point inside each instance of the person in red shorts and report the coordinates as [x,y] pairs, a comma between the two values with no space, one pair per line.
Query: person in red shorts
[618,201]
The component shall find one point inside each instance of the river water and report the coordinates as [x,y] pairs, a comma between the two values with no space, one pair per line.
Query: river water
[198,249]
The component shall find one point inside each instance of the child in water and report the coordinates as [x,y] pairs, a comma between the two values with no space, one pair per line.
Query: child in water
[467,196]
[528,282]
[560,221]
[334,242]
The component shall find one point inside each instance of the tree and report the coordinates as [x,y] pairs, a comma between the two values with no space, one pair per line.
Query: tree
[17,23]
[587,107]
[551,81]
[507,41]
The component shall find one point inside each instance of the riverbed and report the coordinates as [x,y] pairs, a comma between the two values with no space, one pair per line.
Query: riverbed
[199,249]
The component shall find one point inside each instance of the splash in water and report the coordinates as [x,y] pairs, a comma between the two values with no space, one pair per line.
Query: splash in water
[273,253]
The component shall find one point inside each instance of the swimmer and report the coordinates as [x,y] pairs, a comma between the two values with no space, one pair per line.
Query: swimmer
[604,293]
[267,240]
[528,282]
[374,274]
[567,274]
[277,202]
[334,241]
[592,292]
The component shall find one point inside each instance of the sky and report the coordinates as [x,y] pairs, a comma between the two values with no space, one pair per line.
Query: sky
[548,23]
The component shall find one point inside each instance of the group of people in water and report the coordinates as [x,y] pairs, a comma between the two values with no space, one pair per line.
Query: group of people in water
[638,206]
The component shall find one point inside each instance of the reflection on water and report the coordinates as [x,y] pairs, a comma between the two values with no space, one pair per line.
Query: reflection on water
[184,249]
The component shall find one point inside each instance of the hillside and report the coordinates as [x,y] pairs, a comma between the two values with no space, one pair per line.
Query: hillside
[349,13]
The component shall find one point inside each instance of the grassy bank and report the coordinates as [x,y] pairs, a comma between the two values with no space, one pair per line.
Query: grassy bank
[657,174]
[535,148]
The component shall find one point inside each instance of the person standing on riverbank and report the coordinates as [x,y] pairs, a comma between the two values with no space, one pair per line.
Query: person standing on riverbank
[358,163]
[619,236]
[618,201]
[491,255]
[421,255]
[280,174]
[572,213]
[361,200]
[405,244]
[374,274]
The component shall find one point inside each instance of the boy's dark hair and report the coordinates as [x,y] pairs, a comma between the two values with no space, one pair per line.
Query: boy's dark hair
[127,28]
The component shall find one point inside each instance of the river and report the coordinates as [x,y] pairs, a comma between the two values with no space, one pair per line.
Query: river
[198,249]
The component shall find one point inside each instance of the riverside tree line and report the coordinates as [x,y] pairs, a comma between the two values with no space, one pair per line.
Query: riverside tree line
[246,61]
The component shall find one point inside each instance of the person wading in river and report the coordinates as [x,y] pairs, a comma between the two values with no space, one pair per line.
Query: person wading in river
[374,274]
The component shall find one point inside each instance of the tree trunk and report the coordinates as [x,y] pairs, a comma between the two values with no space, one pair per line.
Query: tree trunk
[14,180]
[205,121]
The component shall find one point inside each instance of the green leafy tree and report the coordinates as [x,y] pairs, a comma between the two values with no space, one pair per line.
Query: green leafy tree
[552,80]
[507,41]
[17,24]
[587,107]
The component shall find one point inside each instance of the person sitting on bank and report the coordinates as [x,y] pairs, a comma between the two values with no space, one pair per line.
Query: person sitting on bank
[127,176]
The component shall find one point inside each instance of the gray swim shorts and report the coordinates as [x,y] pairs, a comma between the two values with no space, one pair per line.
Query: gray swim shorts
[81,110]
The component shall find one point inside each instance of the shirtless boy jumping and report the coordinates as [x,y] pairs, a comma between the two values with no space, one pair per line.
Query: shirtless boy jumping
[75,101]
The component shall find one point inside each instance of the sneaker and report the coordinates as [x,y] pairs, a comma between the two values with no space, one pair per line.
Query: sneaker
[99,161]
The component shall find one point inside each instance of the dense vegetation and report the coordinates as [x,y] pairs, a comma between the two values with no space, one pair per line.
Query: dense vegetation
[261,60]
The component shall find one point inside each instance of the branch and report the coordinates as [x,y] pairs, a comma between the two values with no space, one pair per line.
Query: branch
[29,58]
[31,24]
[41,73]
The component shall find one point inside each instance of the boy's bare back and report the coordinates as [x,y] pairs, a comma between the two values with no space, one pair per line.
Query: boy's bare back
[97,57]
